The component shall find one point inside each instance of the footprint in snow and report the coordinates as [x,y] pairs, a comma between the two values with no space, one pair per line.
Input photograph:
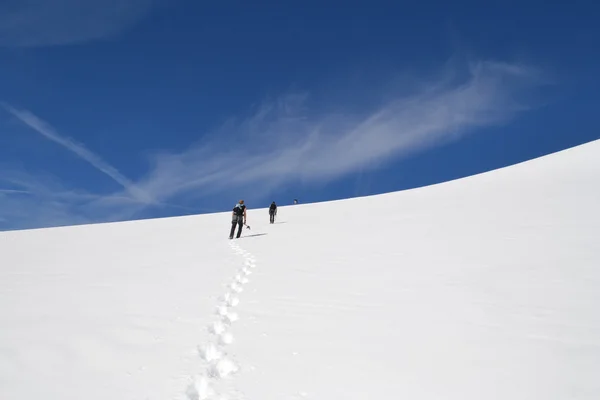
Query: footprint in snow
[222,310]
[230,317]
[236,287]
[223,368]
[211,353]
[226,315]
[226,338]
[217,328]
[199,389]
[230,300]
[233,301]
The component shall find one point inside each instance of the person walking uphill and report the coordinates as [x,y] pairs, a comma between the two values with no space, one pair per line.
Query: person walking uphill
[273,212]
[238,218]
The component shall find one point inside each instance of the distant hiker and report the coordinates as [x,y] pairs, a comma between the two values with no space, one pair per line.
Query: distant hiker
[273,212]
[238,218]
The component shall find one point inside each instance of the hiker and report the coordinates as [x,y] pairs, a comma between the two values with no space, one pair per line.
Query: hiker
[273,212]
[238,218]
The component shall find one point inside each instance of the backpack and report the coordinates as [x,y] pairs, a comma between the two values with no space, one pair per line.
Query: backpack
[239,209]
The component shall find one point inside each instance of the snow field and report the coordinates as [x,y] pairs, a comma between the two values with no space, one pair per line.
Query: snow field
[480,288]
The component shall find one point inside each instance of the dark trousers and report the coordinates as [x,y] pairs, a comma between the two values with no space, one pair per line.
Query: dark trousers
[239,223]
[272,215]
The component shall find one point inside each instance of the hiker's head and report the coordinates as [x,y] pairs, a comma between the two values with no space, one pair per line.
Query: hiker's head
[241,201]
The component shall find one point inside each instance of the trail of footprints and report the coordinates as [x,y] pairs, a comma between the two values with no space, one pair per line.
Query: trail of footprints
[217,363]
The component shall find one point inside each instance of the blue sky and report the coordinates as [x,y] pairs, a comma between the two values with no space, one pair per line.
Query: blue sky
[115,110]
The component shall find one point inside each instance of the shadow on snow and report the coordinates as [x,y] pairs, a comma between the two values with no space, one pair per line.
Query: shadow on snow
[255,235]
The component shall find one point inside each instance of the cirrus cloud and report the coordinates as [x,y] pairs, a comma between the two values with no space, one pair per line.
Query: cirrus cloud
[286,142]
[33,23]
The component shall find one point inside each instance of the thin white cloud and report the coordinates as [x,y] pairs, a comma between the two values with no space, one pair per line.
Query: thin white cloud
[13,191]
[40,201]
[27,23]
[80,150]
[286,143]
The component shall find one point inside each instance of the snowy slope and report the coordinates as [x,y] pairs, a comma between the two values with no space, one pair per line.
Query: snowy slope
[481,288]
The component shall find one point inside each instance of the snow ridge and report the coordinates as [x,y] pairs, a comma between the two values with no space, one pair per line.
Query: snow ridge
[218,364]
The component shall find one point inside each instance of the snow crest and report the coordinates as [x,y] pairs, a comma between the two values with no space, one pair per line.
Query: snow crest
[218,364]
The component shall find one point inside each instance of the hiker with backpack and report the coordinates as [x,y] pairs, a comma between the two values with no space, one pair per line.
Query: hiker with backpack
[273,212]
[238,218]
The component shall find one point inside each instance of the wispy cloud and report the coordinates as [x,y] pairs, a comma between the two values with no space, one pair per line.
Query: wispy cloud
[59,22]
[286,142]
[13,191]
[41,201]
[80,150]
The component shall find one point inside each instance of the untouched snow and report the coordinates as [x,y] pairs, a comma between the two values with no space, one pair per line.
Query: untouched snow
[486,287]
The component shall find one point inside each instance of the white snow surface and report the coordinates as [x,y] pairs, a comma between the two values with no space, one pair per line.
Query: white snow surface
[487,287]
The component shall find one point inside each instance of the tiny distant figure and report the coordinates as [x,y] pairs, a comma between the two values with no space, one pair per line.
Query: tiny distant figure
[238,217]
[295,201]
[273,212]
